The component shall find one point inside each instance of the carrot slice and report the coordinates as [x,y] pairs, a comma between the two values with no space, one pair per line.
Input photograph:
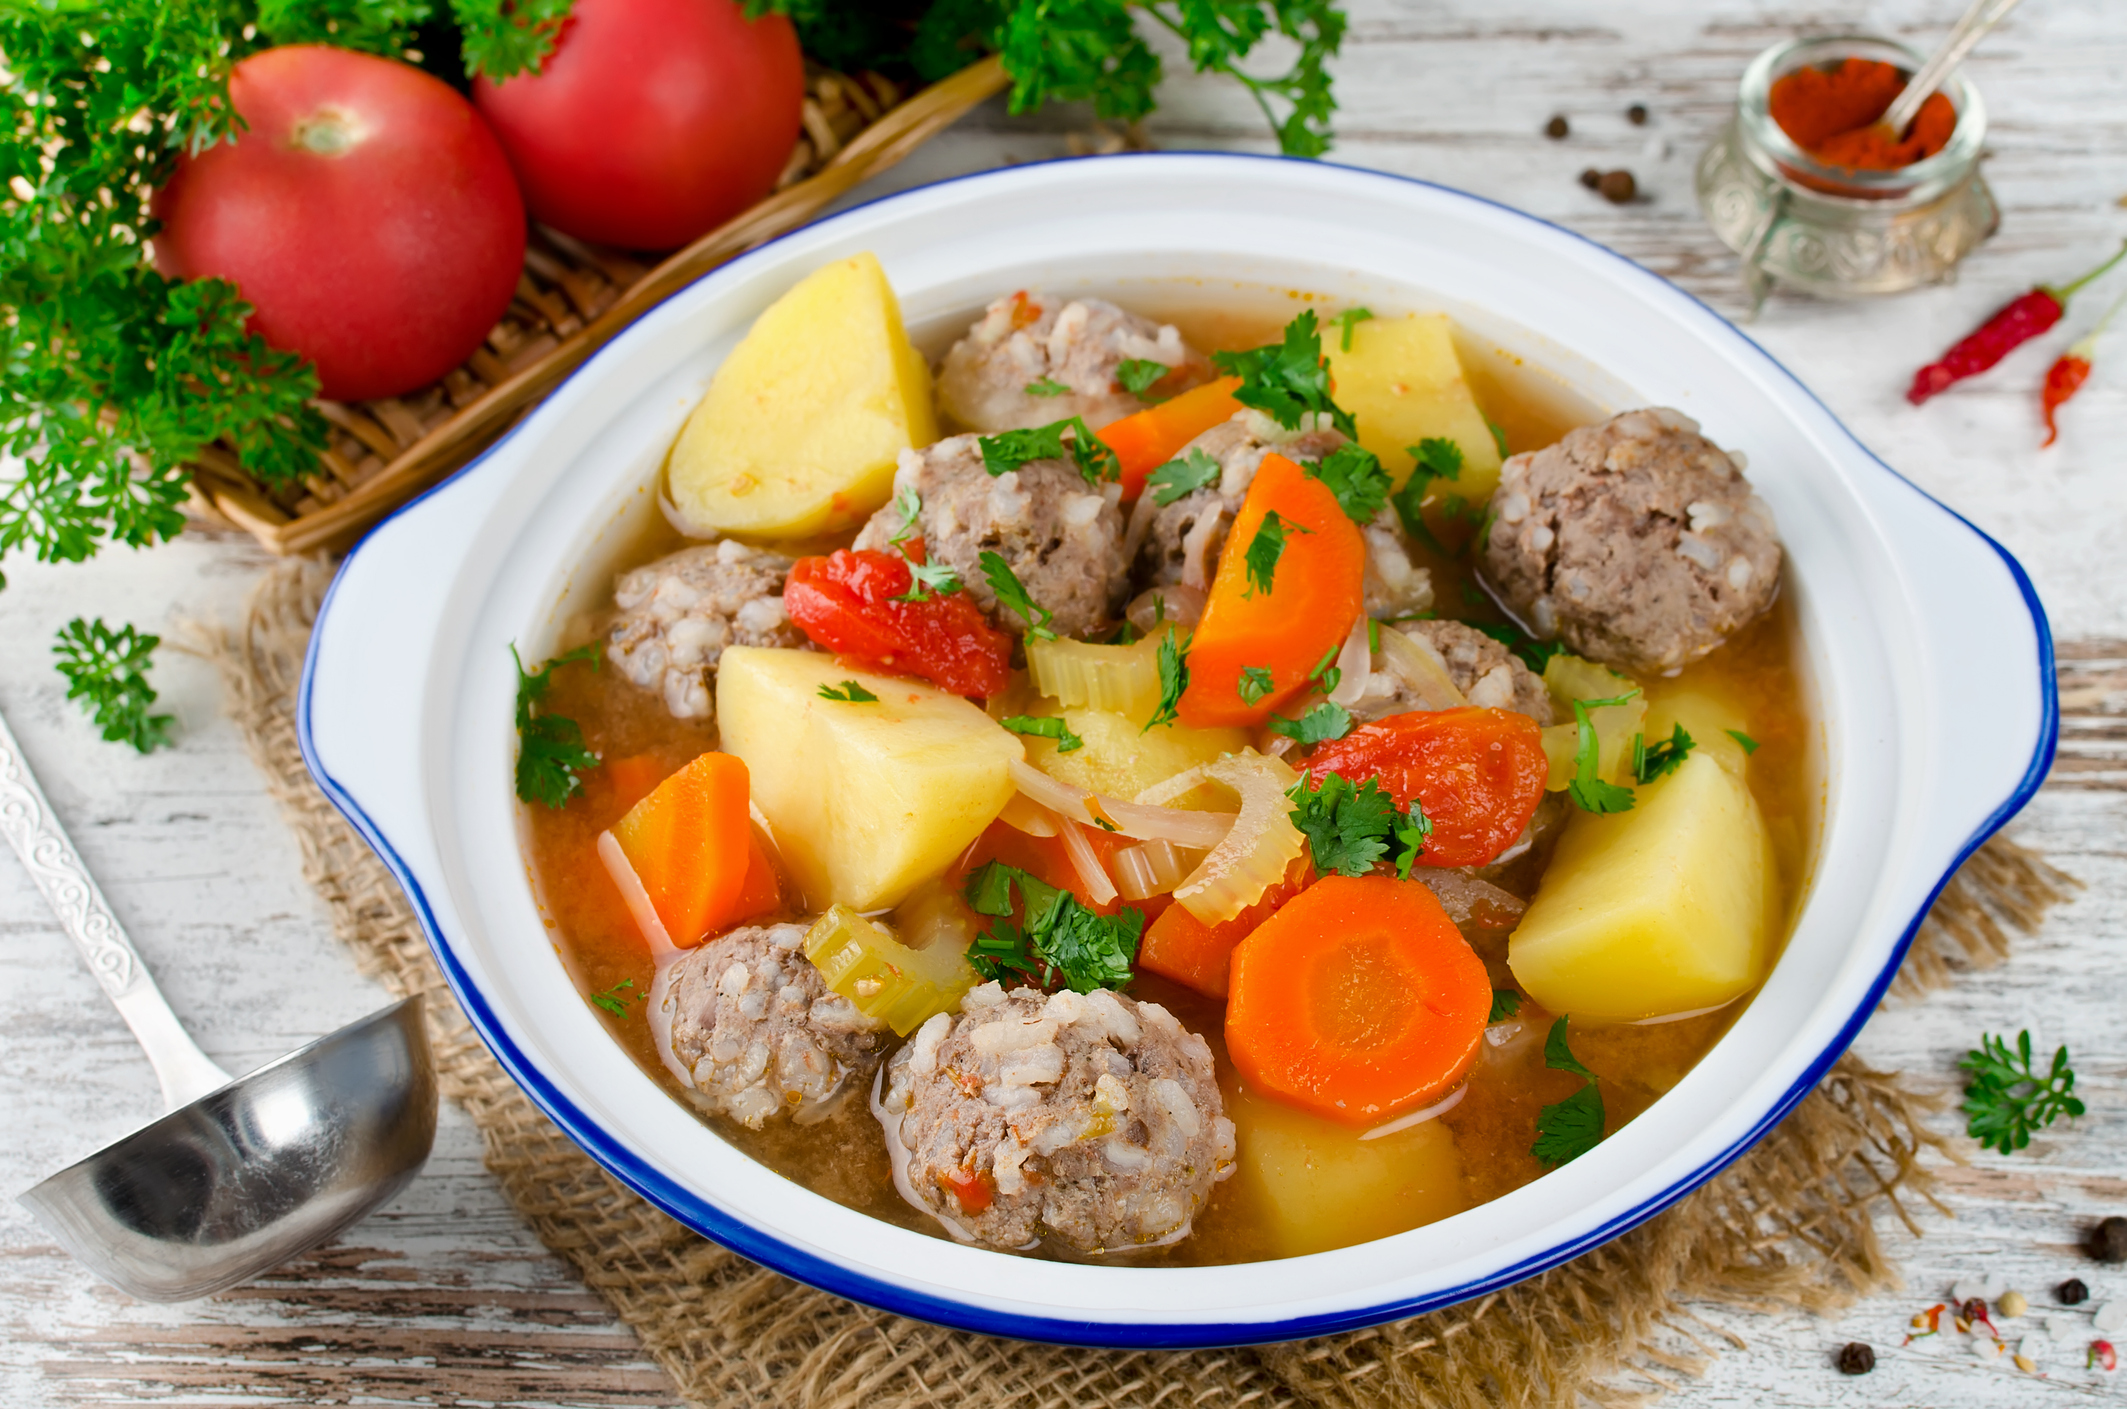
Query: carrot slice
[690,843]
[1180,946]
[1316,592]
[759,893]
[633,779]
[1155,435]
[1356,1000]
[1479,773]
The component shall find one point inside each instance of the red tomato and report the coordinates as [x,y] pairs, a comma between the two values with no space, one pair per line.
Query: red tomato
[368,215]
[653,121]
[1479,772]
[846,603]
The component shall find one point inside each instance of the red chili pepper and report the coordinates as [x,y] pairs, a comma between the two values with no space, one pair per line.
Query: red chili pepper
[854,603]
[2066,377]
[2016,323]
[2102,1357]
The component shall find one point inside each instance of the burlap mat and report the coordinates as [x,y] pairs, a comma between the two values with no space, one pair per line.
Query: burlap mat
[1789,1225]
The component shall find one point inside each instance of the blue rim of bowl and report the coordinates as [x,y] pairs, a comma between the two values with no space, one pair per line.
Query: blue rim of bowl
[765,1248]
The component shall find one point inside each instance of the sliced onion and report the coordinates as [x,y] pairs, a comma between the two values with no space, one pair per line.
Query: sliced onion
[1196,547]
[1099,889]
[1052,793]
[662,949]
[1142,514]
[1255,853]
[1152,869]
[1422,668]
[1155,609]
[1419,1116]
[1181,825]
[1180,785]
[1028,816]
[1354,663]
[1082,675]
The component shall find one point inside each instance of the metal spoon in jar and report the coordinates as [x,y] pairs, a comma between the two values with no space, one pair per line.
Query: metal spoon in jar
[241,1175]
[1963,38]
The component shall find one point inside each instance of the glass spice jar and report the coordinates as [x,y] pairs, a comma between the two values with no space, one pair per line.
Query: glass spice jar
[1834,231]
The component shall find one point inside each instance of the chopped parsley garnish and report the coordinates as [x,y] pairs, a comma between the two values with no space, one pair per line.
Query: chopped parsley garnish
[1750,745]
[1326,673]
[1432,459]
[1125,635]
[1254,684]
[615,999]
[1265,549]
[1054,935]
[1178,479]
[1051,727]
[1664,758]
[1588,787]
[1008,450]
[2009,1098]
[1046,386]
[1572,1127]
[1012,593]
[1349,319]
[1137,375]
[550,750]
[1355,476]
[909,504]
[1319,725]
[1174,680]
[1499,437]
[103,669]
[924,579]
[1534,654]
[1349,829]
[1373,637]
[1505,1004]
[849,692]
[1287,380]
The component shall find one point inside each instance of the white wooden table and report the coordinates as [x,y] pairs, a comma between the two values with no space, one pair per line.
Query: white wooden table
[445,1297]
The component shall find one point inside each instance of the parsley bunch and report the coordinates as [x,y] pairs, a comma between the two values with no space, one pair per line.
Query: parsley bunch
[1287,380]
[1349,829]
[1006,451]
[1570,1128]
[2009,1098]
[551,756]
[1055,934]
[103,670]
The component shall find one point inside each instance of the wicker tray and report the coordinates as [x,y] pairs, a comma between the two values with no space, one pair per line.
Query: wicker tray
[571,299]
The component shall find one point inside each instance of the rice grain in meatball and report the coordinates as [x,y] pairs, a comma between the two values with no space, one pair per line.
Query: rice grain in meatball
[749,1026]
[1088,1120]
[1637,542]
[1030,339]
[679,613]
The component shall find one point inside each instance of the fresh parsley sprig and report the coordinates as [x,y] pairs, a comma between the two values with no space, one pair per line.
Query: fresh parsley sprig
[1355,476]
[1137,375]
[1265,549]
[1750,745]
[1287,380]
[1054,934]
[1254,684]
[1589,788]
[1046,387]
[1173,659]
[1326,674]
[2009,1098]
[1327,720]
[848,692]
[1570,1128]
[908,503]
[926,580]
[1178,479]
[615,999]
[1505,1004]
[1663,758]
[1349,319]
[551,756]
[104,670]
[1432,459]
[1047,727]
[1011,592]
[1351,828]
[1007,451]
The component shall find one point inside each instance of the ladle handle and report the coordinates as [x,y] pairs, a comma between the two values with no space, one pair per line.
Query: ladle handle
[33,829]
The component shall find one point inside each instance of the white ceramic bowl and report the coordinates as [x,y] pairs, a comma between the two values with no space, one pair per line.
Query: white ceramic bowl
[1927,652]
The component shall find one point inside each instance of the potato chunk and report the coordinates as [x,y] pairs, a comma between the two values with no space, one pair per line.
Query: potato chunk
[1315,1185]
[1404,382]
[865,800]
[803,424]
[1120,758]
[1664,909]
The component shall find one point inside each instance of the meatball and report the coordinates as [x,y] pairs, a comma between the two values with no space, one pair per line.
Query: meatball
[1486,672]
[679,613]
[1088,1120]
[750,1028]
[1180,542]
[1029,338]
[1061,536]
[1638,542]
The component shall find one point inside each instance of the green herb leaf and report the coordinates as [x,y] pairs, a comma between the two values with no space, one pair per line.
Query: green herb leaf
[1432,459]
[909,505]
[1534,654]
[1287,380]
[1137,375]
[1373,637]
[1347,828]
[2008,1098]
[1588,787]
[1355,476]
[503,38]
[1009,450]
[1349,319]
[1011,593]
[615,999]
[1046,386]
[1558,1054]
[1055,935]
[1265,549]
[1413,830]
[104,670]
[1664,758]
[1326,673]
[849,692]
[551,756]
[1174,680]
[1574,1126]
[1499,437]
[925,579]
[1254,684]
[1750,745]
[1319,725]
[1050,727]
[1505,1004]
[1177,479]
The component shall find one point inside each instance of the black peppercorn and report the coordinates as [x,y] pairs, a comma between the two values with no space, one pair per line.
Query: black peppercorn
[2108,1241]
[1618,187]
[1592,179]
[1557,127]
[1637,114]
[2072,1292]
[1856,1358]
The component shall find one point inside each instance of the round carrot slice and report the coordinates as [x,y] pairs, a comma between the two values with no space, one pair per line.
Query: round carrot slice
[1479,773]
[1358,999]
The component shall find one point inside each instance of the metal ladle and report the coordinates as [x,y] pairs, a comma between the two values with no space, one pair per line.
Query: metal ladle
[240,1175]
[1964,36]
